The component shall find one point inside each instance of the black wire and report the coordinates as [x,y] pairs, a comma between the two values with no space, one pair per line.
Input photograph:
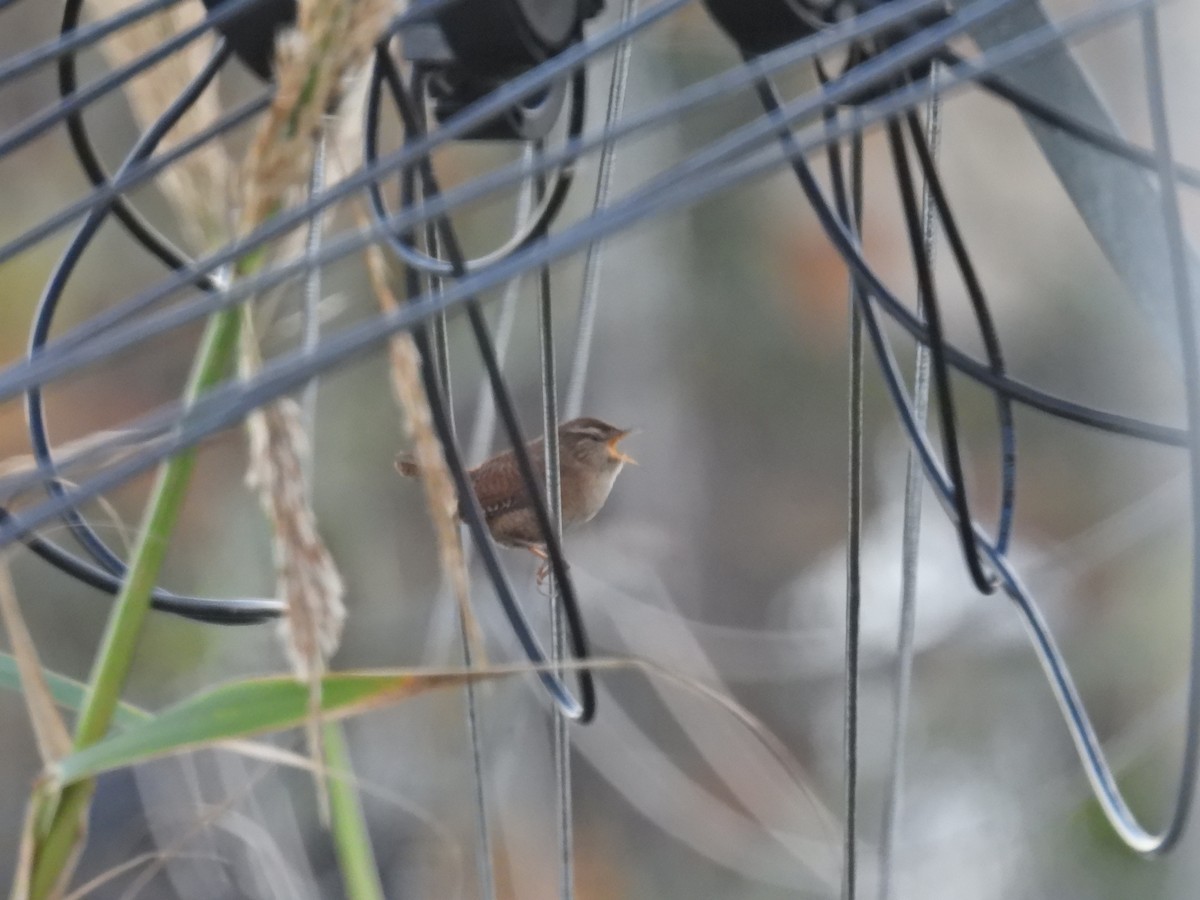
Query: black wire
[582,709]
[1068,123]
[138,228]
[984,321]
[936,337]
[514,91]
[937,354]
[1091,754]
[48,305]
[1017,390]
[111,568]
[227,404]
[460,124]
[549,208]
[132,178]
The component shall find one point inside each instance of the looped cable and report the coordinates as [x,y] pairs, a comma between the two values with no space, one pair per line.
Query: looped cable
[110,569]
[583,707]
[538,222]
[1091,754]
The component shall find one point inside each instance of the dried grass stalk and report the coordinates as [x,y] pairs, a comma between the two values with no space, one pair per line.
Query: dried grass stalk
[313,61]
[440,494]
[199,185]
[49,731]
[305,572]
[331,40]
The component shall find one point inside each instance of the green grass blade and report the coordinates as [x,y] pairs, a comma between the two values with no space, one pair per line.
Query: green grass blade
[67,692]
[242,709]
[356,858]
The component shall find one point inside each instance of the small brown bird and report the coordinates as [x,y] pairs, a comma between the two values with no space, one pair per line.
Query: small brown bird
[589,462]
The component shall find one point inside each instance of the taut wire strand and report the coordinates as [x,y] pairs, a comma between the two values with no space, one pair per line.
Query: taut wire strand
[914,483]
[594,256]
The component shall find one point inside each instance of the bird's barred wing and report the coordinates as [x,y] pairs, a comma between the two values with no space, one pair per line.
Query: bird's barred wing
[494,483]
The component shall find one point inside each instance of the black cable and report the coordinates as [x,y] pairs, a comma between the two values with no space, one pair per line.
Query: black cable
[139,229]
[1088,746]
[227,404]
[936,338]
[582,709]
[460,124]
[60,275]
[544,215]
[1017,390]
[133,177]
[983,318]
[1071,125]
[937,354]
[111,568]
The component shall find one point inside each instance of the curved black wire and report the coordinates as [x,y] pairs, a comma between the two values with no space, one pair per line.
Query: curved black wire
[985,583]
[462,123]
[60,275]
[226,405]
[209,416]
[139,229]
[984,321]
[111,569]
[582,709]
[524,234]
[1063,121]
[489,106]
[1091,753]
[928,296]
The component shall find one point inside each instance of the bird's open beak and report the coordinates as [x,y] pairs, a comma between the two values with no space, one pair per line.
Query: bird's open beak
[614,453]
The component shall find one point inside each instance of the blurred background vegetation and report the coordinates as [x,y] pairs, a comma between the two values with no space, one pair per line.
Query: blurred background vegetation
[722,336]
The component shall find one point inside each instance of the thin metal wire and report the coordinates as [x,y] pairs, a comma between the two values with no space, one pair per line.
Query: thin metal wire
[594,257]
[1156,101]
[280,224]
[583,707]
[489,106]
[224,406]
[853,542]
[484,860]
[561,746]
[910,545]
[1091,754]
[1013,51]
[23,63]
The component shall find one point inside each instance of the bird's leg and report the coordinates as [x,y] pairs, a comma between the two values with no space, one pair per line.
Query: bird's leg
[544,569]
